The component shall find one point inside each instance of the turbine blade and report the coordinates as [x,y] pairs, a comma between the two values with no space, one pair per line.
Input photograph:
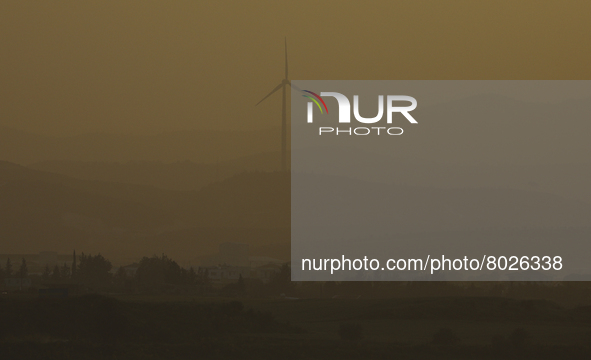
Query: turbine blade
[271,93]
[286,72]
[295,87]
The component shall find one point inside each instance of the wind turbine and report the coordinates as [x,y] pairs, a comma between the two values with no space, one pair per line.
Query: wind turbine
[283,85]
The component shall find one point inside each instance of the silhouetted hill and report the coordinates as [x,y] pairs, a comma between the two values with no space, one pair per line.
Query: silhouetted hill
[42,211]
[494,129]
[413,207]
[190,246]
[147,195]
[253,199]
[565,179]
[201,146]
[180,175]
[45,211]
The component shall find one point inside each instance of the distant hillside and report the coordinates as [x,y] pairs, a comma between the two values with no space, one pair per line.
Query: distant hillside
[191,245]
[41,211]
[413,208]
[46,211]
[180,175]
[200,146]
[567,179]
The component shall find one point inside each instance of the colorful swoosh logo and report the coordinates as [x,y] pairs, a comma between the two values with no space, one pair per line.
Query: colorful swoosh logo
[319,98]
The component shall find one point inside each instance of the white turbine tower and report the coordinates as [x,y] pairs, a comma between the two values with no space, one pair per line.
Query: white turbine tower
[283,85]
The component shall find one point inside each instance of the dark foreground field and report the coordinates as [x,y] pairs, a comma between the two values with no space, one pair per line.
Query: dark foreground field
[134,327]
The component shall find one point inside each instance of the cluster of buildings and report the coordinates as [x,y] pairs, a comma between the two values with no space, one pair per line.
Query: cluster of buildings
[234,261]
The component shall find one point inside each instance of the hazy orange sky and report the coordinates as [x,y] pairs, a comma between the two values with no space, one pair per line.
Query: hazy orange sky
[71,67]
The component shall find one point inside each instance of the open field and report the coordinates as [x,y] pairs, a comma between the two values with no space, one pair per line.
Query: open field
[175,327]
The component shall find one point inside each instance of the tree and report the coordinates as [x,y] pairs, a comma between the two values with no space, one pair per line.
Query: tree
[184,276]
[73,271]
[204,281]
[191,276]
[241,286]
[23,271]
[65,271]
[56,275]
[205,276]
[281,281]
[120,276]
[46,273]
[8,269]
[158,271]
[94,270]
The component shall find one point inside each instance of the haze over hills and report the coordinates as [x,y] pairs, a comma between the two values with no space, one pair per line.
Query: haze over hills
[496,129]
[519,145]
[181,175]
[45,211]
[185,192]
[468,131]
[483,129]
[413,208]
[205,146]
[565,179]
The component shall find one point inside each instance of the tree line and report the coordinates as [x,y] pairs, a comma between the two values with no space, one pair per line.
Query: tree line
[8,271]
[95,271]
[152,274]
